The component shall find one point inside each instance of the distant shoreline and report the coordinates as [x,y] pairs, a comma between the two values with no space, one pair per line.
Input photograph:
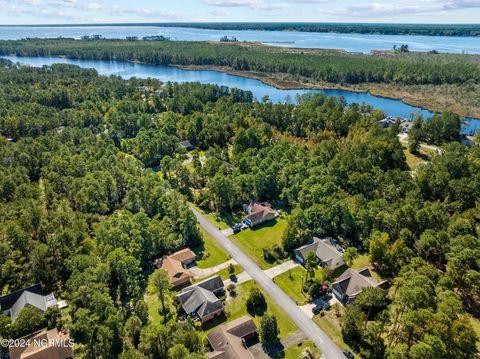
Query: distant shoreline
[450,30]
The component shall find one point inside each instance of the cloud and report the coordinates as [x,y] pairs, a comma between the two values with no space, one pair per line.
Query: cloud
[252,4]
[220,12]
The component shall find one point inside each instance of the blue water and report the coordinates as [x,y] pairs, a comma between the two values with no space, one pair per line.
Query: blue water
[350,42]
[127,70]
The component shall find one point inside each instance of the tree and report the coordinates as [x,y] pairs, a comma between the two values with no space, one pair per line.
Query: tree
[268,330]
[311,263]
[29,320]
[371,298]
[256,300]
[353,324]
[133,328]
[161,283]
[178,351]
[155,341]
[349,255]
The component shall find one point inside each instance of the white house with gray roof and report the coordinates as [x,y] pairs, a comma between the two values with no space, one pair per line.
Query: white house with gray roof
[326,251]
[200,300]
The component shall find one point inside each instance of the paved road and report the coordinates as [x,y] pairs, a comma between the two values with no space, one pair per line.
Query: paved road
[323,342]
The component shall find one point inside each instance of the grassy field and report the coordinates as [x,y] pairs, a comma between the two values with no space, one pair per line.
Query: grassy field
[331,326]
[252,241]
[295,351]
[225,274]
[291,283]
[414,160]
[210,253]
[235,308]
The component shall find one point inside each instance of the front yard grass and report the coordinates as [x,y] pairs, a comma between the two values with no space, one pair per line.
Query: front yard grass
[235,308]
[252,241]
[291,283]
[210,253]
[331,326]
[294,351]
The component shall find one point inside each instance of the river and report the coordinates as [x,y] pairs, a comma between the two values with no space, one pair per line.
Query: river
[126,70]
[349,42]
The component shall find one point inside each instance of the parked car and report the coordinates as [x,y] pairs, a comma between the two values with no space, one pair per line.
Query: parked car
[348,354]
[316,309]
[237,227]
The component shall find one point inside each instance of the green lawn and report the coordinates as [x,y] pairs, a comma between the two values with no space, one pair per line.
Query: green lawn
[291,283]
[294,351]
[235,308]
[414,160]
[331,326]
[224,274]
[252,241]
[210,253]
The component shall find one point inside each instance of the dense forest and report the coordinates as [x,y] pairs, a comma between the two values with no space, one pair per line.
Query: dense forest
[82,213]
[322,66]
[349,28]
[383,29]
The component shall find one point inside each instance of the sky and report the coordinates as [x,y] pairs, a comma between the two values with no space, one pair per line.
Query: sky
[111,11]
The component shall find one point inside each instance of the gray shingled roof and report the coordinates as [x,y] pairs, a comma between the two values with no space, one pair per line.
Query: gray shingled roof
[200,298]
[352,282]
[323,248]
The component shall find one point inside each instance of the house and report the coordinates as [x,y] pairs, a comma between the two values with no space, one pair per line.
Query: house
[176,266]
[187,144]
[325,250]
[352,282]
[258,213]
[200,300]
[229,341]
[38,346]
[11,304]
[387,122]
[406,126]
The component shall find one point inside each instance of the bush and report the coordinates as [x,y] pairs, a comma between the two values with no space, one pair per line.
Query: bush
[274,253]
[256,300]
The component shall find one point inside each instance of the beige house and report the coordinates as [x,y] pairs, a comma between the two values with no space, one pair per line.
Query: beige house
[229,341]
[258,213]
[176,266]
[46,344]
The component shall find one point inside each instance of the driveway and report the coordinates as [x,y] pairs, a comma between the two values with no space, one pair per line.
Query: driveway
[199,273]
[281,268]
[313,332]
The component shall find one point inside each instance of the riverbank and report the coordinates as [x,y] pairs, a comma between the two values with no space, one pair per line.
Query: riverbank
[439,98]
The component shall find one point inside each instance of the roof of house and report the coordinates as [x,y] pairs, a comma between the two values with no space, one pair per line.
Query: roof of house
[200,298]
[226,341]
[33,296]
[61,350]
[352,282]
[183,255]
[186,143]
[173,264]
[212,284]
[323,248]
[258,211]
